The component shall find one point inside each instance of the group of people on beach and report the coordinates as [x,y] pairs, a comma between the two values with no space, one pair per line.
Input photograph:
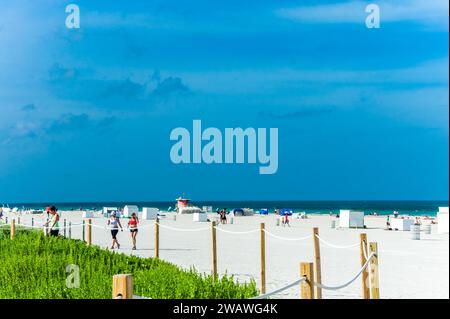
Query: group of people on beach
[223,215]
[53,217]
[114,224]
[284,218]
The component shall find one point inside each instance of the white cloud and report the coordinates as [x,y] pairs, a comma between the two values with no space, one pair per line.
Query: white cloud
[430,13]
[434,72]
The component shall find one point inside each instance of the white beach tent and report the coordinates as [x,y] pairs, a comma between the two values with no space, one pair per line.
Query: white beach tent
[442,218]
[88,214]
[108,210]
[130,209]
[200,217]
[351,219]
[149,213]
[189,210]
[207,209]
[401,223]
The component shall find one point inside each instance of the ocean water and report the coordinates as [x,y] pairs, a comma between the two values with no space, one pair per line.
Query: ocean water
[416,208]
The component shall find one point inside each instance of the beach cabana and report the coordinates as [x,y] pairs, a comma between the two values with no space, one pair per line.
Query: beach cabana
[130,209]
[200,217]
[351,219]
[207,209]
[189,210]
[149,213]
[242,212]
[401,224]
[442,219]
[88,214]
[237,212]
[108,210]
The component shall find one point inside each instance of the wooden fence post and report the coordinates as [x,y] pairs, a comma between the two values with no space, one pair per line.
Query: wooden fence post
[263,258]
[64,227]
[122,287]
[365,273]
[214,250]
[32,221]
[317,265]
[13,228]
[89,232]
[83,231]
[70,230]
[374,274]
[307,286]
[157,237]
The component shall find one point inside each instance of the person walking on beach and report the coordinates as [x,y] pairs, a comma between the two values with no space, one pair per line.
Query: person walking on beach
[223,216]
[286,220]
[114,223]
[133,226]
[53,221]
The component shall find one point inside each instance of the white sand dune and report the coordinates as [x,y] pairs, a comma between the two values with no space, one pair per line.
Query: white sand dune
[408,268]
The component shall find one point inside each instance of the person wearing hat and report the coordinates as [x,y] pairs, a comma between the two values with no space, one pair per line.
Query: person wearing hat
[114,223]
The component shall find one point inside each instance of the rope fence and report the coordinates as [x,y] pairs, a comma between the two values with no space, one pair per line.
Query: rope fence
[277,291]
[309,281]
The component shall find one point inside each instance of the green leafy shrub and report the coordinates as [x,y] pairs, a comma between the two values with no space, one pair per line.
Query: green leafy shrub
[34,266]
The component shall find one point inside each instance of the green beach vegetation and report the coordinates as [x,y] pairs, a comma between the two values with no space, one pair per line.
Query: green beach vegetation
[33,266]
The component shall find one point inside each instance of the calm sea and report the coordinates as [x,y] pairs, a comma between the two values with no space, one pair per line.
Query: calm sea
[429,208]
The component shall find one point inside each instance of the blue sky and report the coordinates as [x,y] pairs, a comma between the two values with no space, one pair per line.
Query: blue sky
[85,115]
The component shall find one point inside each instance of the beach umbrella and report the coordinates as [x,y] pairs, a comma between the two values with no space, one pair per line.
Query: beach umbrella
[285,211]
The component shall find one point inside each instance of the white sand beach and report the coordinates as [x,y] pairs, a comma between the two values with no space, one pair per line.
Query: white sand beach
[408,268]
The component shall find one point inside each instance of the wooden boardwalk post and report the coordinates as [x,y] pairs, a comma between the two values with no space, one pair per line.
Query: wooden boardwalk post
[263,258]
[157,237]
[70,230]
[307,286]
[32,221]
[89,232]
[214,250]
[64,227]
[365,273]
[374,274]
[122,287]
[13,228]
[83,231]
[317,265]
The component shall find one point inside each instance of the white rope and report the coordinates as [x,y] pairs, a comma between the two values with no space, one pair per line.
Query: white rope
[183,229]
[365,252]
[107,227]
[295,283]
[286,238]
[348,282]
[336,246]
[237,232]
[49,227]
